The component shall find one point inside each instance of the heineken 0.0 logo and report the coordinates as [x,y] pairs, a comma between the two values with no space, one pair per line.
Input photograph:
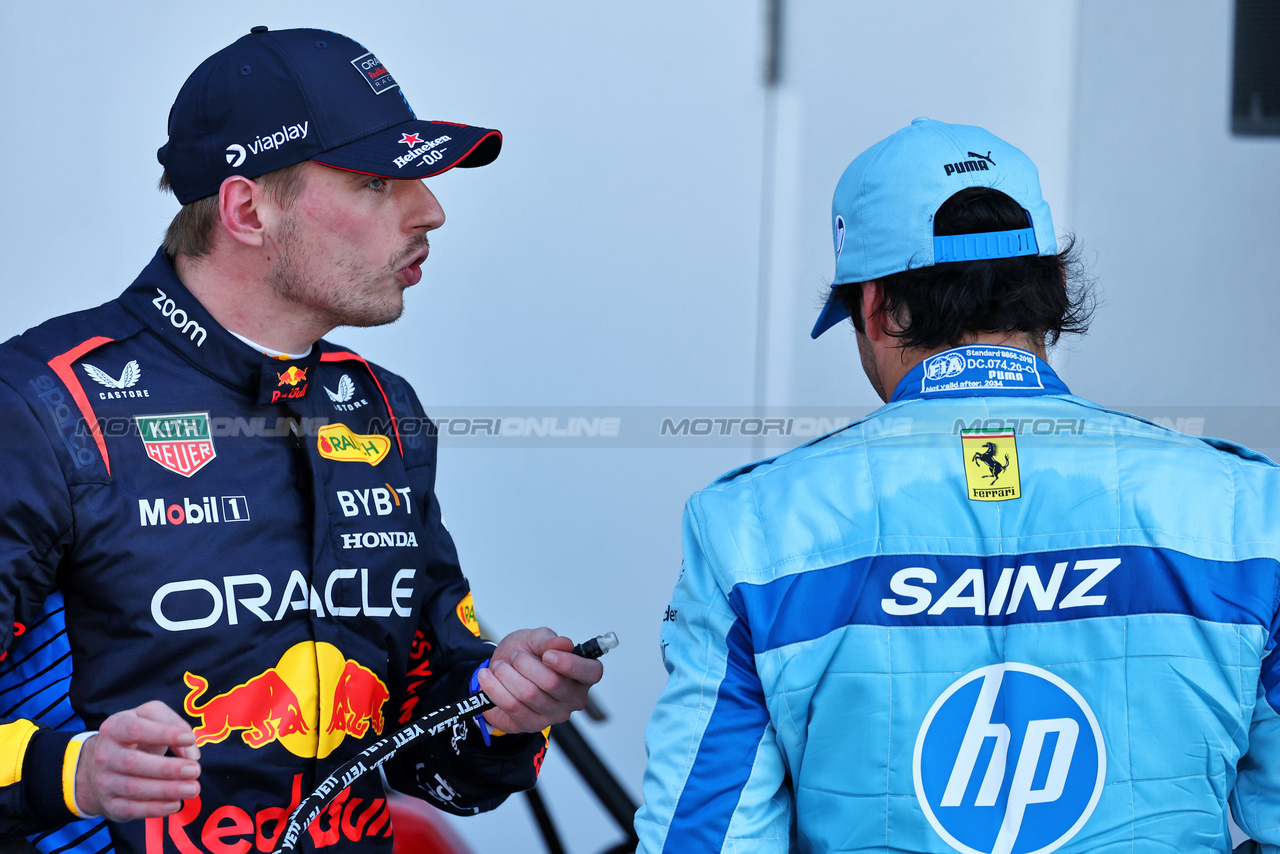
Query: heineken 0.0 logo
[181,443]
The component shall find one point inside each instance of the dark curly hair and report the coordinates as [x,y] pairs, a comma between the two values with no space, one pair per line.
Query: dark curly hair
[1042,296]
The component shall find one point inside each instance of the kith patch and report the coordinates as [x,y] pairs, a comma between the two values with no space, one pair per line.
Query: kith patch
[181,443]
[991,465]
[374,73]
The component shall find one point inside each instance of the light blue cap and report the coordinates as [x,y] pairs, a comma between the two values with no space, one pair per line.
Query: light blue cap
[882,211]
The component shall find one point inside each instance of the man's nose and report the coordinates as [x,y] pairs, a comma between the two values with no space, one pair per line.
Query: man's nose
[423,210]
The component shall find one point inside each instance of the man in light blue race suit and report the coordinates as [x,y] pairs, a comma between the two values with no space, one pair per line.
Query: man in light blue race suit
[991,616]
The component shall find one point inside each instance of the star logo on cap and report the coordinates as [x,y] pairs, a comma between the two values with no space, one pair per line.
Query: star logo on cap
[410,139]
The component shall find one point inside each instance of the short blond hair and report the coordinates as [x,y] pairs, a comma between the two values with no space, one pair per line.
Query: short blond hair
[191,231]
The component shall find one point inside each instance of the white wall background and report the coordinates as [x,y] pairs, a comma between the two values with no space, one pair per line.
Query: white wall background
[651,196]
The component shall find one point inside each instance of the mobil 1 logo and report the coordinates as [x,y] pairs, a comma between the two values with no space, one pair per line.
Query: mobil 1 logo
[209,509]
[1009,760]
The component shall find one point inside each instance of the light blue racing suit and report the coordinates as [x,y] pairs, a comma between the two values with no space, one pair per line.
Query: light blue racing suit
[990,617]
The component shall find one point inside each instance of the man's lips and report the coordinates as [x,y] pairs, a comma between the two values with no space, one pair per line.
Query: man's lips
[411,273]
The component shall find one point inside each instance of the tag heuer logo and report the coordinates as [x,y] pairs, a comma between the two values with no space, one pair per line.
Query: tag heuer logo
[337,442]
[181,443]
[991,465]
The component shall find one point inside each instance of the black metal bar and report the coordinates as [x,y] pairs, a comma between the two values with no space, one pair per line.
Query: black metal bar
[545,824]
[599,779]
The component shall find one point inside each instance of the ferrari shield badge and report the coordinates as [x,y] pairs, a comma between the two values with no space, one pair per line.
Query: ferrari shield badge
[991,465]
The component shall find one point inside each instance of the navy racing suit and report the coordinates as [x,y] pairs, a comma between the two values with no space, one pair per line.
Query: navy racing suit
[255,542]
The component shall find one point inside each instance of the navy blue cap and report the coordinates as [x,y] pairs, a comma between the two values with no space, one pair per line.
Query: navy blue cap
[276,98]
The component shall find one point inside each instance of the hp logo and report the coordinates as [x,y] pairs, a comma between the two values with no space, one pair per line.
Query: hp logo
[1009,760]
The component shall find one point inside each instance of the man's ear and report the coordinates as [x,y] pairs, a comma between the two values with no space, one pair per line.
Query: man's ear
[240,203]
[876,322]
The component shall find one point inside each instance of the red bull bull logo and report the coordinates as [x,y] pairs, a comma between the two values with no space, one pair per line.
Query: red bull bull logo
[293,376]
[357,701]
[264,708]
[309,702]
[295,379]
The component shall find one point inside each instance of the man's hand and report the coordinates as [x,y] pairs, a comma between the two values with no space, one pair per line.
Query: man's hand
[536,681]
[123,772]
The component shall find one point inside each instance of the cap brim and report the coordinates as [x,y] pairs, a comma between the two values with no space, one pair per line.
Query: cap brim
[832,313]
[416,149]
